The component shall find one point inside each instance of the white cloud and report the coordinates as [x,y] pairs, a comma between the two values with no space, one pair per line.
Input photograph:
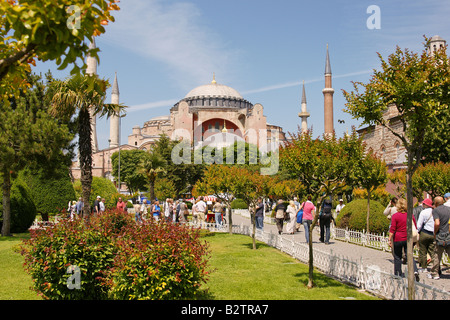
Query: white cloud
[152,105]
[298,83]
[173,34]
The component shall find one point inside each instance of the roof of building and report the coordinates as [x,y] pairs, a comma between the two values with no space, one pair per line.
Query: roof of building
[436,38]
[214,89]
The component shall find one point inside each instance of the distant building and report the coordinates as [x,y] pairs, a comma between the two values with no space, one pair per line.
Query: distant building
[204,116]
[381,140]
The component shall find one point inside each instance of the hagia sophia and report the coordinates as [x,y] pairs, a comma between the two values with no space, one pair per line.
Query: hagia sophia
[203,116]
[209,111]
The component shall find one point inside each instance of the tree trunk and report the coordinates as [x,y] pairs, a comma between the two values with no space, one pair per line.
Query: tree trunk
[368,210]
[152,190]
[311,253]
[409,247]
[6,187]
[230,220]
[253,216]
[85,152]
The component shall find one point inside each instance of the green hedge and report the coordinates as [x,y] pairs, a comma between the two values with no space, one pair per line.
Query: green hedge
[354,216]
[23,210]
[102,187]
[51,192]
[238,204]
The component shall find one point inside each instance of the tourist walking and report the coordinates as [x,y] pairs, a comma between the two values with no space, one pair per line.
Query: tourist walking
[96,207]
[80,205]
[102,206]
[391,208]
[280,210]
[168,211]
[340,206]
[447,199]
[121,205]
[292,211]
[73,210]
[141,214]
[156,211]
[309,212]
[218,209]
[398,237]
[259,214]
[201,211]
[425,227]
[325,221]
[183,212]
[441,216]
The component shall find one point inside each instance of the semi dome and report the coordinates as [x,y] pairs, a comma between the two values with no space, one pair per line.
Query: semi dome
[214,89]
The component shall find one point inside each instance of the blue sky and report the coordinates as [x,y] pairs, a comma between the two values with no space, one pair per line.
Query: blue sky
[265,49]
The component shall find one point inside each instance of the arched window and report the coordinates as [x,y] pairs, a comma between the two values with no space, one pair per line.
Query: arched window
[397,149]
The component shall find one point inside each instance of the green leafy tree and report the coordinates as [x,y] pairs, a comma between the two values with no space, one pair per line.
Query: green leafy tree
[433,178]
[47,30]
[83,95]
[417,86]
[129,173]
[28,134]
[323,166]
[152,165]
[165,188]
[50,190]
[370,173]
[184,174]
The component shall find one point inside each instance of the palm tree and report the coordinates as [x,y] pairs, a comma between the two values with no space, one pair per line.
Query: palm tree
[85,94]
[152,165]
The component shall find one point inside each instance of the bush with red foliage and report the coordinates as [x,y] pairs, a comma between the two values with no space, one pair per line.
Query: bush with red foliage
[117,258]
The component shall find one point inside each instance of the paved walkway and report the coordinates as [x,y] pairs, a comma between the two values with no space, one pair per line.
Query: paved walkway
[370,257]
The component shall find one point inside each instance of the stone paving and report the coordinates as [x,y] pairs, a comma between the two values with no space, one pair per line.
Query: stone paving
[370,257]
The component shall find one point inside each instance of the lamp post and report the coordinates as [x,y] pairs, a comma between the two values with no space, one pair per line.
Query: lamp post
[120,122]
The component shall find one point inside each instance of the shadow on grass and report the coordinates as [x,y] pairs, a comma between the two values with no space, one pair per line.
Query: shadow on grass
[258,245]
[320,280]
[16,237]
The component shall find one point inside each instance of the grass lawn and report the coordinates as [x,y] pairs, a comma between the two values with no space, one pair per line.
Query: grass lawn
[241,273]
[15,283]
[238,273]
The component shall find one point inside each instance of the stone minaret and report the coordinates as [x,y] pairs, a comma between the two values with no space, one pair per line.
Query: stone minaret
[91,69]
[114,120]
[304,114]
[328,92]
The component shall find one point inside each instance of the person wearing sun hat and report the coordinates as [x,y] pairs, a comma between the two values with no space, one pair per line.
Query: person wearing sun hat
[425,226]
[447,199]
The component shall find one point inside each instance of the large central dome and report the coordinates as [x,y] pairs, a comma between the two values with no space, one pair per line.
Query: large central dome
[214,89]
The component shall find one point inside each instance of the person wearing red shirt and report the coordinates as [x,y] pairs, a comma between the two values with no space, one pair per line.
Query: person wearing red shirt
[121,205]
[398,237]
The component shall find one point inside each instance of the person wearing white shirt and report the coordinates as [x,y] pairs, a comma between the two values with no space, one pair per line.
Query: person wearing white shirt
[102,205]
[447,199]
[425,227]
[340,206]
[201,211]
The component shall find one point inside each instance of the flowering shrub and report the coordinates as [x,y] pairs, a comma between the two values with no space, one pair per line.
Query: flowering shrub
[116,258]
[158,261]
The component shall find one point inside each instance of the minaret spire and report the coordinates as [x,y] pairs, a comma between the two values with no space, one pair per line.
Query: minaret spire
[304,114]
[328,92]
[114,119]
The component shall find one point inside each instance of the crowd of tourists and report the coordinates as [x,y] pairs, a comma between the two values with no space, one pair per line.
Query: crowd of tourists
[431,219]
[296,214]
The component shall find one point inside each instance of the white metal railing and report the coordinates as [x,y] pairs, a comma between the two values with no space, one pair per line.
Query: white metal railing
[369,278]
[370,240]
